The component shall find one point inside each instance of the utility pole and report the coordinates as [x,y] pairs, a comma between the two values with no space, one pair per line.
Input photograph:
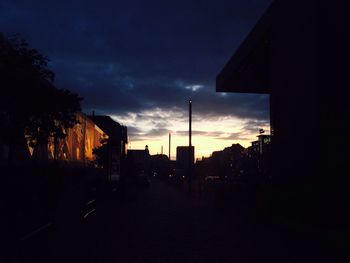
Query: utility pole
[190,146]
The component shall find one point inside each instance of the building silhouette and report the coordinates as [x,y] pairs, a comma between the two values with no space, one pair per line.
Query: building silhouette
[259,154]
[296,53]
[183,153]
[116,144]
[160,165]
[138,161]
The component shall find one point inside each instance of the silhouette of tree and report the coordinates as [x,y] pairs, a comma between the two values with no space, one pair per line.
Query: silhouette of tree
[102,154]
[58,115]
[30,104]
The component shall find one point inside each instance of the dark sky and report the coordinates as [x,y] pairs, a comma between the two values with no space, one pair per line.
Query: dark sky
[132,56]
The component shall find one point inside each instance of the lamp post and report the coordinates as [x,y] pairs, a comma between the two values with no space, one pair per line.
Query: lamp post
[169,145]
[190,146]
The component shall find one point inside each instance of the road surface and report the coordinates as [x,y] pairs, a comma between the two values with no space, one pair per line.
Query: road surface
[162,223]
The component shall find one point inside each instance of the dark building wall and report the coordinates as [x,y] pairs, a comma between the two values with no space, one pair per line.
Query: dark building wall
[308,55]
[333,82]
[294,94]
[333,79]
[309,78]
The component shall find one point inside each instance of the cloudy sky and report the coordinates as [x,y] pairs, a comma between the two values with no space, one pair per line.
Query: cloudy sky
[140,62]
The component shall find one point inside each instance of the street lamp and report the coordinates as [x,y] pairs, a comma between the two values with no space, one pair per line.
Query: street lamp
[190,146]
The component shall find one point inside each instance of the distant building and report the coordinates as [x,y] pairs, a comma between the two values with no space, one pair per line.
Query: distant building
[254,149]
[160,165]
[260,146]
[138,161]
[183,153]
[204,168]
[264,144]
[259,154]
[227,163]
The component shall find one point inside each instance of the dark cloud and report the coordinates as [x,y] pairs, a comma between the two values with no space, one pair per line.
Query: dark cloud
[132,56]
[134,131]
[253,126]
[156,133]
[199,133]
[234,137]
[137,135]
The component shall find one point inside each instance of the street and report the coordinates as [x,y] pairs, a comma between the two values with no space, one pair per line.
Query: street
[160,223]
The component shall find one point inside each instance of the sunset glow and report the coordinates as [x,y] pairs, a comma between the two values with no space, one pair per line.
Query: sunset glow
[209,134]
